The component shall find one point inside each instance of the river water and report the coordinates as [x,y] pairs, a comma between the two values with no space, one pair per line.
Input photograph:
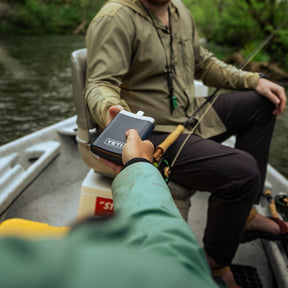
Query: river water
[36,89]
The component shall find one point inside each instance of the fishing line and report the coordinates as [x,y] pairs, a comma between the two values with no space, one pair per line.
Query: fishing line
[189,120]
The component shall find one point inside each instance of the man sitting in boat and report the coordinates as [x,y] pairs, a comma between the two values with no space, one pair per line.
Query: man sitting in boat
[144,55]
[146,244]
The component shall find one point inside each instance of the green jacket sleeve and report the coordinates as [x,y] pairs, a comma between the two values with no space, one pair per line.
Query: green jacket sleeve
[158,226]
[146,244]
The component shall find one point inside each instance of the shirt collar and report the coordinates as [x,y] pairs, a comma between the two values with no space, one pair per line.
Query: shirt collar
[137,6]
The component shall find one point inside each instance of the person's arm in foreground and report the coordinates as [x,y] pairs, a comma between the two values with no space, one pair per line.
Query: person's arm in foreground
[146,243]
[141,194]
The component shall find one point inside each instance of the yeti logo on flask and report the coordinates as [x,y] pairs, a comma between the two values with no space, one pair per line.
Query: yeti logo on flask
[114,143]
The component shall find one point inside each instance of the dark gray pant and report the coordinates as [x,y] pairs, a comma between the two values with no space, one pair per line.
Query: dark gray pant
[234,176]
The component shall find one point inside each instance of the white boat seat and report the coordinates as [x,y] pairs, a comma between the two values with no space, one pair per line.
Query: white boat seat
[87,128]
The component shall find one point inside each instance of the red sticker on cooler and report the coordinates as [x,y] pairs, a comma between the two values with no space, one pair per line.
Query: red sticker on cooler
[103,206]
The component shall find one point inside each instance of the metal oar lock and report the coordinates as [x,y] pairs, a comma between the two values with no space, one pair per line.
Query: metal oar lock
[281,203]
[277,204]
[271,204]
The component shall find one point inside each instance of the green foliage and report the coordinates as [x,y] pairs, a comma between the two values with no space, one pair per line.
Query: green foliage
[38,17]
[279,47]
[243,24]
[205,14]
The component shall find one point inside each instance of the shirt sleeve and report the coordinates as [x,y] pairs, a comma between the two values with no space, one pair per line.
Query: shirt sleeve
[141,195]
[108,60]
[216,73]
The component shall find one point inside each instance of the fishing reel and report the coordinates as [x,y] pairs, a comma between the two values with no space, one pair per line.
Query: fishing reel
[164,167]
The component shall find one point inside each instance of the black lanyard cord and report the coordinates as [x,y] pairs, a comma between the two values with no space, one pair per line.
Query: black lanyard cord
[169,67]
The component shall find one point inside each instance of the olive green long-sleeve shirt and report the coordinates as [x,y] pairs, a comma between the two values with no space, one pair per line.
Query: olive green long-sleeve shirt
[127,66]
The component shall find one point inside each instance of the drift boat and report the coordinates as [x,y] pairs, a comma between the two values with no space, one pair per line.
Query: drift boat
[43,178]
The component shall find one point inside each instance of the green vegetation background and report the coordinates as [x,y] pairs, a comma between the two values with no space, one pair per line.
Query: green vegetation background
[239,25]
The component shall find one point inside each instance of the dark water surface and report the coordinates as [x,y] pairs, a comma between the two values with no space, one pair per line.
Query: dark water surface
[35,83]
[36,91]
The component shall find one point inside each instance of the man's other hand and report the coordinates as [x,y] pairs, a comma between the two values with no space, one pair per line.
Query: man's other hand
[274,92]
[112,112]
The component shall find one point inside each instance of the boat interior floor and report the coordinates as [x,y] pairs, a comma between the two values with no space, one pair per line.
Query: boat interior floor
[57,208]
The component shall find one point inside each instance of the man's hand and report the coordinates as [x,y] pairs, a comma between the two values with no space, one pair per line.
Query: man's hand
[113,111]
[134,148]
[274,92]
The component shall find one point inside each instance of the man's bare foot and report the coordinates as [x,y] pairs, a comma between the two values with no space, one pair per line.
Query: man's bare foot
[262,223]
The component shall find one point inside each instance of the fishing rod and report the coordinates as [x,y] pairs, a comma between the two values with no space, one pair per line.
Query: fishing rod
[161,149]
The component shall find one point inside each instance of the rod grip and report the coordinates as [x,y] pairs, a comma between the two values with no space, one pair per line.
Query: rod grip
[170,139]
